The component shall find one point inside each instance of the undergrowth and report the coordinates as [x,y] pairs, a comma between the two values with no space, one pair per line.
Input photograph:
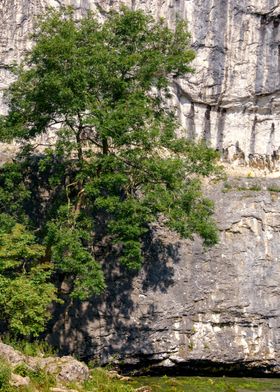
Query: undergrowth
[5,374]
[102,382]
[35,348]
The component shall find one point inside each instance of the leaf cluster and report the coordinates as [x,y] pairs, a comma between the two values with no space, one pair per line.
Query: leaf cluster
[25,290]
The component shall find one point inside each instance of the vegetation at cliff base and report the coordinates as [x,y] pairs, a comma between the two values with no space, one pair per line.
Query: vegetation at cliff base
[102,380]
[99,159]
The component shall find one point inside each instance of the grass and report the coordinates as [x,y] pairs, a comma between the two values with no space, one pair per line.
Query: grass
[39,378]
[204,384]
[40,381]
[102,382]
[273,188]
[36,348]
[231,187]
[253,188]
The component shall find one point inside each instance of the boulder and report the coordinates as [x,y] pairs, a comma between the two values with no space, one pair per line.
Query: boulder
[12,356]
[65,368]
[19,381]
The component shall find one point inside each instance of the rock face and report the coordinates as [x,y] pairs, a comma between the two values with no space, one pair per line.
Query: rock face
[188,306]
[63,369]
[191,307]
[232,100]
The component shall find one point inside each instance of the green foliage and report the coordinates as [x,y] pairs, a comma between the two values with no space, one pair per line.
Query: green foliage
[14,194]
[72,257]
[35,348]
[5,374]
[116,166]
[25,290]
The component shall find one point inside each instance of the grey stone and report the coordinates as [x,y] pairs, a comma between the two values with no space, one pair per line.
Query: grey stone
[64,368]
[190,304]
[19,381]
[11,355]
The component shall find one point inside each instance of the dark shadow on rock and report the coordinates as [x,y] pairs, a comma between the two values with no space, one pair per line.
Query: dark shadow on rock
[113,327]
[158,268]
[206,368]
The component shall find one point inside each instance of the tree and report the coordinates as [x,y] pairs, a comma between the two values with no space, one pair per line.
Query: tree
[25,292]
[116,165]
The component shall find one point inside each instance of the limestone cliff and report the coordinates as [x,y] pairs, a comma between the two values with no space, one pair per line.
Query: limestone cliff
[188,305]
[192,307]
[233,99]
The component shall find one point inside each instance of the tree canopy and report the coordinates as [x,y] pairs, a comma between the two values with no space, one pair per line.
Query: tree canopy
[115,165]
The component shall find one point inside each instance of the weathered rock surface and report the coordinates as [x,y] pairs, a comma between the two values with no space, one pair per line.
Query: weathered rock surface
[19,381]
[64,369]
[232,100]
[9,354]
[194,307]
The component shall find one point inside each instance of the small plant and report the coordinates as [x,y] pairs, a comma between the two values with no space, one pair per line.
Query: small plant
[23,370]
[273,188]
[193,330]
[191,345]
[256,188]
[227,187]
[253,188]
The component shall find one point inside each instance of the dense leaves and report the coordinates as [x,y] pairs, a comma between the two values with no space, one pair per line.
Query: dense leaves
[25,290]
[115,165]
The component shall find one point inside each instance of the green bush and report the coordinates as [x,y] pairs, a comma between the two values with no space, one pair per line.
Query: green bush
[26,292]
[5,374]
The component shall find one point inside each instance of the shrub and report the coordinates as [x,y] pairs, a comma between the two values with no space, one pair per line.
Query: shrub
[5,375]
